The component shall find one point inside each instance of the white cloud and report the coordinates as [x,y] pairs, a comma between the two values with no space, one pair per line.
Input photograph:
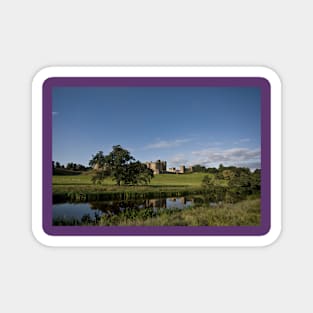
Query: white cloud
[237,157]
[55,113]
[160,144]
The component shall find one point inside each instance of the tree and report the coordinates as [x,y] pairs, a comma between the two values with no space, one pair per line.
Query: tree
[121,166]
[70,166]
[207,181]
[212,170]
[198,168]
[228,174]
[137,173]
[240,186]
[212,192]
[256,181]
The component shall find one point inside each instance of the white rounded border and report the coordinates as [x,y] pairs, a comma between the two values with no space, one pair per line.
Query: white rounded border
[157,241]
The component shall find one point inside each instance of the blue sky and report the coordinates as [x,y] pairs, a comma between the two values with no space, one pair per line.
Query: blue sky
[182,125]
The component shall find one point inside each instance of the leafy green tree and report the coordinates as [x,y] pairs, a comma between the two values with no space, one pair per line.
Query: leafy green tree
[211,191]
[137,173]
[199,168]
[228,174]
[212,170]
[256,181]
[69,166]
[117,162]
[243,184]
[121,166]
[207,181]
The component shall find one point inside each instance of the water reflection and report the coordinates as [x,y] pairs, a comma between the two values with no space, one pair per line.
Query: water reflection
[164,203]
[94,210]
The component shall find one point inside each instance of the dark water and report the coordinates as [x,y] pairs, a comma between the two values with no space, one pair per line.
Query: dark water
[70,211]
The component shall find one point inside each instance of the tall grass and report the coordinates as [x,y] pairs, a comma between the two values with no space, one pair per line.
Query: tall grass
[242,213]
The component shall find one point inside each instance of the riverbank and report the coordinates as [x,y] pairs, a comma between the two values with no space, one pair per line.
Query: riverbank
[243,213]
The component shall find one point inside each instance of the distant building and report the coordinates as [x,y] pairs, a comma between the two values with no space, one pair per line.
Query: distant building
[182,169]
[172,170]
[158,167]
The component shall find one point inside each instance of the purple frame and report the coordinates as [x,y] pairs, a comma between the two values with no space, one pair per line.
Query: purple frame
[259,82]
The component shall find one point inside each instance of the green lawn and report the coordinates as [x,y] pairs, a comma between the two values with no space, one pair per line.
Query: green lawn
[165,184]
[193,179]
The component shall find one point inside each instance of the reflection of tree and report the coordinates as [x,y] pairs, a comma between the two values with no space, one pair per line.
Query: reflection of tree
[121,205]
[116,206]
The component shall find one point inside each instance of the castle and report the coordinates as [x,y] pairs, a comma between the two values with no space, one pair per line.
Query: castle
[159,167]
[181,169]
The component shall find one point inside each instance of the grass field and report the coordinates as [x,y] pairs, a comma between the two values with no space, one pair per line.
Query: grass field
[160,183]
[193,179]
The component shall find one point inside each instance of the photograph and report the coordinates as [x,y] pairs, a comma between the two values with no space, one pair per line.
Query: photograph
[156,155]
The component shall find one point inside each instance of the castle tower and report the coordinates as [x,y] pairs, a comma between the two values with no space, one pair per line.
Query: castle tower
[158,167]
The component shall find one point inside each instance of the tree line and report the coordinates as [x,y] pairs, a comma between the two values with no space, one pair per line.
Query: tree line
[222,171]
[240,183]
[69,168]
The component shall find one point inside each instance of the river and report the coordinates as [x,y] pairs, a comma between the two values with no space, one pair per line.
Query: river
[93,210]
